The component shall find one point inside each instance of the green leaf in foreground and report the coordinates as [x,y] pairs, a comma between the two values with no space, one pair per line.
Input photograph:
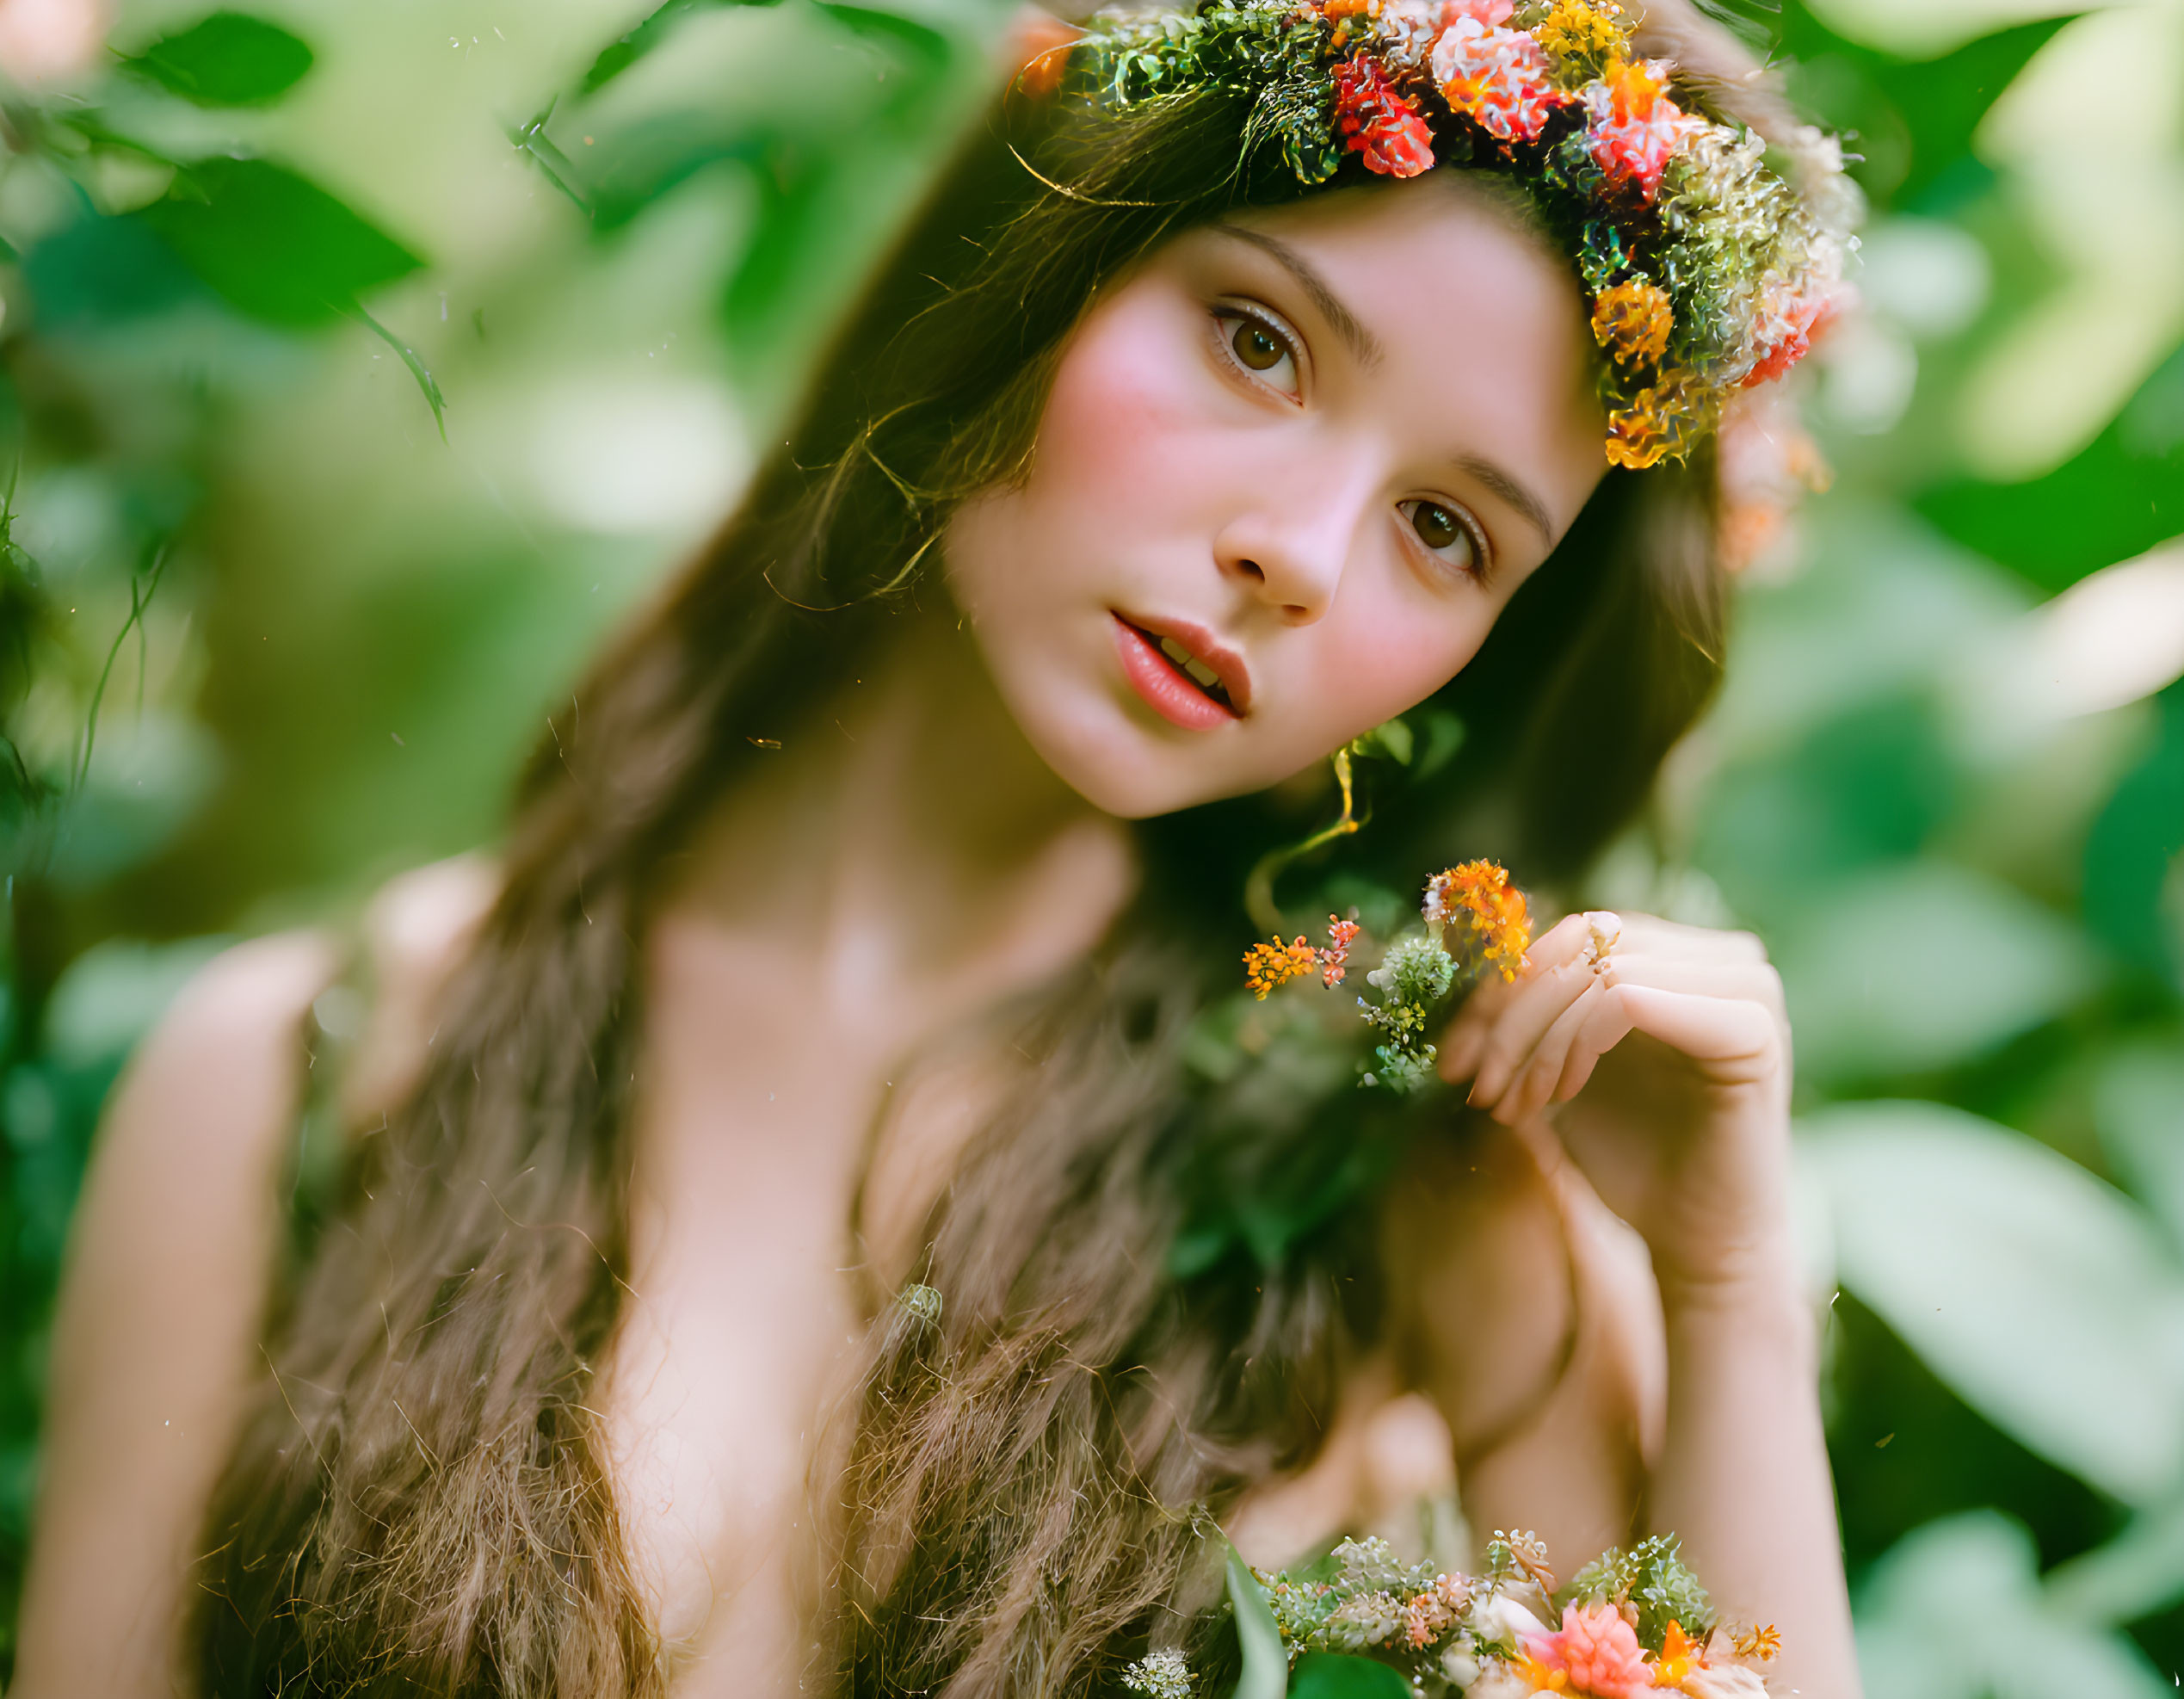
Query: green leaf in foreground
[618,56]
[229,58]
[1335,1675]
[275,244]
[1266,1660]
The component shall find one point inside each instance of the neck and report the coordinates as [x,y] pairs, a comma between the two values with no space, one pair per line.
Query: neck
[889,831]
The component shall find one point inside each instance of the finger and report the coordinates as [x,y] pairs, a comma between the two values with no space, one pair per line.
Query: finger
[1461,1045]
[1700,976]
[1536,1081]
[1512,1038]
[1497,1051]
[1707,1029]
[1650,933]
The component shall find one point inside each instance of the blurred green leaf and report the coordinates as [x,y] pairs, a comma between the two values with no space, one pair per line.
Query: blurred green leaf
[2114,500]
[2131,1578]
[1391,739]
[1955,1612]
[275,244]
[1913,120]
[614,59]
[2040,1294]
[796,190]
[1329,1675]
[2138,1107]
[2131,855]
[1870,785]
[1883,610]
[1445,734]
[96,271]
[1921,966]
[113,993]
[917,43]
[229,58]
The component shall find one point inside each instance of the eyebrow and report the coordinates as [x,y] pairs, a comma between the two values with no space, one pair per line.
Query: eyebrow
[1362,343]
[1369,352]
[1511,491]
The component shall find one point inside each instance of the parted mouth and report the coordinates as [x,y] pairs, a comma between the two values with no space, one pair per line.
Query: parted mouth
[1209,665]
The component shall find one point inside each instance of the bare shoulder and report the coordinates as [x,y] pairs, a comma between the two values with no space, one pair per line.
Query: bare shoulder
[156,1343]
[158,1315]
[415,933]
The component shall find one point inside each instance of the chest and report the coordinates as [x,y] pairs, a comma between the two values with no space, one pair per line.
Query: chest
[765,1140]
[739,1329]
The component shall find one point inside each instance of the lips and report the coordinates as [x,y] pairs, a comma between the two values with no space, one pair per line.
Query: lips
[1183,672]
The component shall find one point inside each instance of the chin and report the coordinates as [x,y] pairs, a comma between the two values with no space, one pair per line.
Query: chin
[1127,786]
[1112,768]
[1119,774]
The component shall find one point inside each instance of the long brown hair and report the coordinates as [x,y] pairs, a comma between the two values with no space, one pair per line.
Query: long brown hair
[420,1501]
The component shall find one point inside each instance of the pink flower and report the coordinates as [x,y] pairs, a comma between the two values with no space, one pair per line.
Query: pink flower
[1635,129]
[1597,1651]
[1787,323]
[1499,78]
[1491,13]
[1341,934]
[1376,120]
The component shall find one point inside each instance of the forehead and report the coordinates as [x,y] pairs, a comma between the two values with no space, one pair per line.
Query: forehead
[1477,334]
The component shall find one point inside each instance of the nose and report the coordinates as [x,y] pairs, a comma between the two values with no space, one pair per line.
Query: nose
[1289,546]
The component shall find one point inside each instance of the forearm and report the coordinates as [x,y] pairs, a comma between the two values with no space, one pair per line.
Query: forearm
[1743,1477]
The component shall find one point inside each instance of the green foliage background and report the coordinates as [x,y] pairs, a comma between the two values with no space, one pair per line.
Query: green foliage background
[359,366]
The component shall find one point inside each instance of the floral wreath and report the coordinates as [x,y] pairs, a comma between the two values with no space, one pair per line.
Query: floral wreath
[1710,258]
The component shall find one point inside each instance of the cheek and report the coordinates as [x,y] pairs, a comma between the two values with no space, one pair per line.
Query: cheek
[1387,652]
[1113,439]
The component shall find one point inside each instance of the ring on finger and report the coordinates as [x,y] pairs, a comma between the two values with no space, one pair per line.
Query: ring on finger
[1604,929]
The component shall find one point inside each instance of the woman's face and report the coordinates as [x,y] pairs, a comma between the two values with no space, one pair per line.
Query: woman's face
[1290,472]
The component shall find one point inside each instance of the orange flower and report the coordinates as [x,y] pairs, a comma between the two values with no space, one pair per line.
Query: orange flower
[1662,423]
[1042,47]
[1680,1655]
[1632,87]
[1498,913]
[1759,1643]
[1632,320]
[1268,965]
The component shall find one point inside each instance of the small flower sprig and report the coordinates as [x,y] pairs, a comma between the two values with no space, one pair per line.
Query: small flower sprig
[1159,1675]
[1623,1631]
[1418,972]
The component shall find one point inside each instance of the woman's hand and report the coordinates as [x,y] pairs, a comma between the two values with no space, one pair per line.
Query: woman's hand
[1673,1053]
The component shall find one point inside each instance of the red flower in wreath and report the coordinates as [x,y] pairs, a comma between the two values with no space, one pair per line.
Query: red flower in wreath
[1375,120]
[1500,78]
[1635,128]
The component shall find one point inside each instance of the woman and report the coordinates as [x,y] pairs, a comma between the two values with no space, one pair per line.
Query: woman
[807,1222]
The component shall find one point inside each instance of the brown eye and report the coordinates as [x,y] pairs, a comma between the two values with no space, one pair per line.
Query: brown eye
[1444,532]
[1258,347]
[1435,525]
